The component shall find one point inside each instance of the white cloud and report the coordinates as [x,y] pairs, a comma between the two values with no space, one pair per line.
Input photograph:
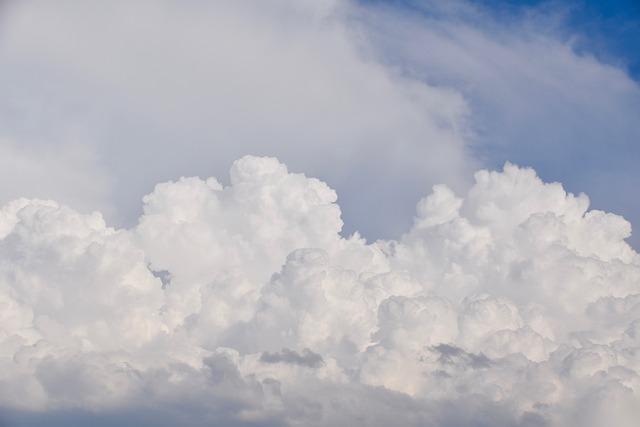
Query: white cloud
[509,305]
[536,94]
[241,301]
[187,88]
[377,102]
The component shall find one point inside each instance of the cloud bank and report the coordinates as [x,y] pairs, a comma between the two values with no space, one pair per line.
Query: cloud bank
[185,88]
[510,305]
[340,89]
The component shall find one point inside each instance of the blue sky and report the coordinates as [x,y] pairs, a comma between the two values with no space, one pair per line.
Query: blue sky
[582,143]
[610,29]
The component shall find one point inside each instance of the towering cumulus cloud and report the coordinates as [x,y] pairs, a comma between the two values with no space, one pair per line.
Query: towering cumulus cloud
[243,305]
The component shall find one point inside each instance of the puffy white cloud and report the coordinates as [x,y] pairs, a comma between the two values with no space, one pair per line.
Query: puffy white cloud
[242,304]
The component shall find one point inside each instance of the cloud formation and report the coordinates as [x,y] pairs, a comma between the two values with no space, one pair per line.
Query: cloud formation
[340,89]
[185,88]
[537,94]
[513,304]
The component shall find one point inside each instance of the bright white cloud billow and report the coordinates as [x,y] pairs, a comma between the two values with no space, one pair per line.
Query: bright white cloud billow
[242,305]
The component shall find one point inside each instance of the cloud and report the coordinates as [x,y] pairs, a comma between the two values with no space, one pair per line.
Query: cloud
[537,95]
[246,300]
[377,101]
[69,173]
[512,304]
[185,89]
[307,358]
[450,355]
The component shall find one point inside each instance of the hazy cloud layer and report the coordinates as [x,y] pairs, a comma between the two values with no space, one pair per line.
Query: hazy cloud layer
[512,304]
[185,88]
[378,102]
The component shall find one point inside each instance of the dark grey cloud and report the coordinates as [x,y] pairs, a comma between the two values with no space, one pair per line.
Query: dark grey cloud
[452,355]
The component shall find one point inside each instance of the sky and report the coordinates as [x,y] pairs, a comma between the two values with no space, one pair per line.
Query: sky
[607,29]
[319,212]
[84,105]
[531,113]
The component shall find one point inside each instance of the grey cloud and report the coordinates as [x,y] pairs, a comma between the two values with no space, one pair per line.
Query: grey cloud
[163,275]
[219,80]
[452,355]
[307,358]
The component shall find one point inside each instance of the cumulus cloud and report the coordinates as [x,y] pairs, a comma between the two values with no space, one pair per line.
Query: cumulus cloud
[185,88]
[242,304]
[244,299]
